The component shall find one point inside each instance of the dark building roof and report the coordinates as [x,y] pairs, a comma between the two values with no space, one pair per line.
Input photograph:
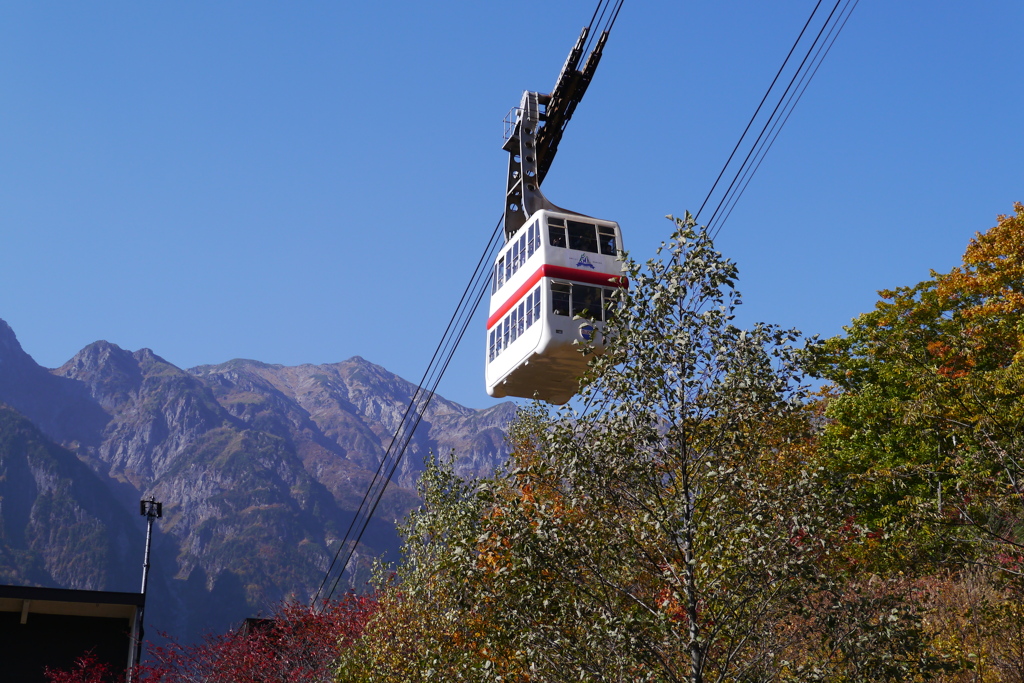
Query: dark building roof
[52,627]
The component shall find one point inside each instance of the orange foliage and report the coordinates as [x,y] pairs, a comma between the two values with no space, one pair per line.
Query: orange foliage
[989,290]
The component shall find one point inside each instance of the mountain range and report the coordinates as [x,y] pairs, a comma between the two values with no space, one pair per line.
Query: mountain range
[259,468]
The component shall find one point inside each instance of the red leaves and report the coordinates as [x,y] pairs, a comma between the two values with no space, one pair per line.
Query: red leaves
[953,365]
[297,644]
[87,669]
[1010,561]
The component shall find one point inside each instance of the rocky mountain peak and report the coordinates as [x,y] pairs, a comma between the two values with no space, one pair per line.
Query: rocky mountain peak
[62,409]
[10,348]
[13,358]
[100,358]
[146,357]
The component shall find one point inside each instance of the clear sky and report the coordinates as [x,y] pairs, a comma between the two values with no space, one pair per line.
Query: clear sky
[305,182]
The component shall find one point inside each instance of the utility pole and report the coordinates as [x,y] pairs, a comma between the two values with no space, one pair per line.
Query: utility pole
[151,510]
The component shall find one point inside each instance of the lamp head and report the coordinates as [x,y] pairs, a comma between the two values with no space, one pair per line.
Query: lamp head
[151,508]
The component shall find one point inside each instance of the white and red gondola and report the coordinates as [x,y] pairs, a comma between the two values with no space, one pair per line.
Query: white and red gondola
[553,281]
[551,290]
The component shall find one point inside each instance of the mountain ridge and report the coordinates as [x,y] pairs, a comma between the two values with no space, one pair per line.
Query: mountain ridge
[259,466]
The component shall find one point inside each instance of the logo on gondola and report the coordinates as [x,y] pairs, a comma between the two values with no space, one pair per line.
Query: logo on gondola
[584,262]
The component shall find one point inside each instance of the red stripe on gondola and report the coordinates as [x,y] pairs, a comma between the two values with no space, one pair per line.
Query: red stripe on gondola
[563,273]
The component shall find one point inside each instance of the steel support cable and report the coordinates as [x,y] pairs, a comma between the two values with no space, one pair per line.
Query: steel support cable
[599,20]
[732,198]
[615,16]
[396,444]
[418,417]
[377,475]
[594,15]
[415,408]
[766,95]
[362,504]
[602,7]
[753,118]
[392,453]
[772,116]
[601,4]
[794,99]
[817,66]
[417,413]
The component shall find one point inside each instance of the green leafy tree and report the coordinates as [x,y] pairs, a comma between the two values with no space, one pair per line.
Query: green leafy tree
[675,526]
[930,407]
[925,422]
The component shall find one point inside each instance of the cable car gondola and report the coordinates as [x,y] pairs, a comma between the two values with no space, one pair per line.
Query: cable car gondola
[551,289]
[552,283]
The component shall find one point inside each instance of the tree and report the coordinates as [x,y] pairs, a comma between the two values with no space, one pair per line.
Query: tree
[297,644]
[425,628]
[925,418]
[930,407]
[86,669]
[676,526]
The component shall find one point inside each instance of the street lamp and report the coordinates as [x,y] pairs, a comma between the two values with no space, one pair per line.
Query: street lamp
[151,510]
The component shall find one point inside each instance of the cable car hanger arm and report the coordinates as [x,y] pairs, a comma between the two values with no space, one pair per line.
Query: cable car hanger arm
[535,135]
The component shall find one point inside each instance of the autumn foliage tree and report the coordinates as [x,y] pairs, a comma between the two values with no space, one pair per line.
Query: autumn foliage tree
[697,515]
[86,669]
[297,644]
[930,408]
[926,420]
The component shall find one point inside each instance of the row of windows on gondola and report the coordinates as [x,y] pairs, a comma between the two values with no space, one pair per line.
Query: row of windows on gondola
[566,299]
[597,239]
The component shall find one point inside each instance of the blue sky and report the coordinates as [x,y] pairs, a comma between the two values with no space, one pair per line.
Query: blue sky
[305,182]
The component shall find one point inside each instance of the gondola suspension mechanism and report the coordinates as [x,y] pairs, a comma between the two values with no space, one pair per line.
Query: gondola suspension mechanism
[558,109]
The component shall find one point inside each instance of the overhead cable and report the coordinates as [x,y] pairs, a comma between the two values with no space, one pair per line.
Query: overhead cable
[785,102]
[757,111]
[794,98]
[417,406]
[604,7]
